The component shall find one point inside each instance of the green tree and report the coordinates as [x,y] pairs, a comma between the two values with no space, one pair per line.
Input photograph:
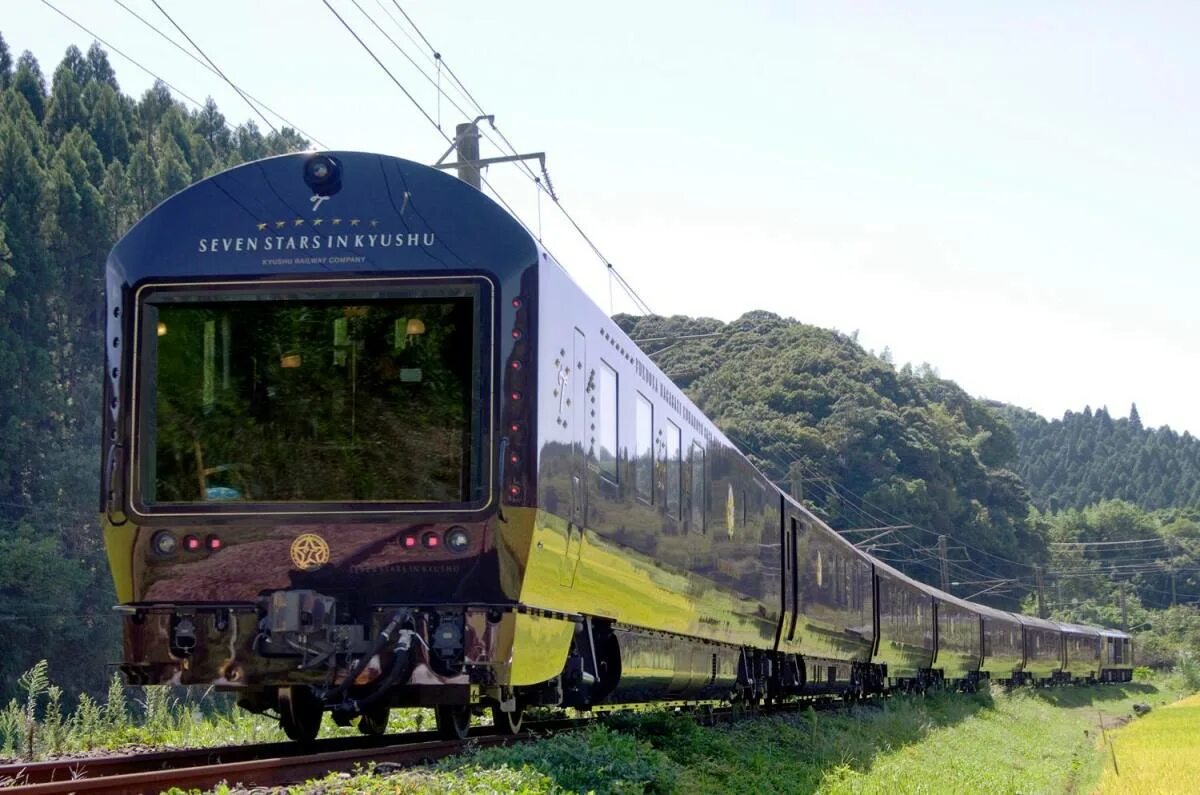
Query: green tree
[28,81]
[5,64]
[100,70]
[107,122]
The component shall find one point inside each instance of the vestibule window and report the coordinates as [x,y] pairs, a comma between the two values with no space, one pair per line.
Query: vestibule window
[643,454]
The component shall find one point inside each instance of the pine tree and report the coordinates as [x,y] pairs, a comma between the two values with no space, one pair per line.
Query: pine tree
[173,172]
[1135,419]
[107,122]
[65,109]
[5,64]
[101,69]
[211,126]
[28,81]
[142,178]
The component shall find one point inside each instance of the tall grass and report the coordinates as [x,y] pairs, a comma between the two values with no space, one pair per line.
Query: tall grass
[38,726]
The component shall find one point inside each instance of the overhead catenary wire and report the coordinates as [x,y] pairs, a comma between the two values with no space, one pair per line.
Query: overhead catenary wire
[641,304]
[542,183]
[120,52]
[844,496]
[216,68]
[847,498]
[207,66]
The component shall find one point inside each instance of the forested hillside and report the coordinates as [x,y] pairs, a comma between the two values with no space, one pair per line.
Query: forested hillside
[79,162]
[1088,457]
[865,444]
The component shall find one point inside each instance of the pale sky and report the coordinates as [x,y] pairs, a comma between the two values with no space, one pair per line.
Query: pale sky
[1006,191]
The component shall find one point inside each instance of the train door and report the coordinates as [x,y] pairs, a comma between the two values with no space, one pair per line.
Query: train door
[792,594]
[578,387]
[784,572]
[789,531]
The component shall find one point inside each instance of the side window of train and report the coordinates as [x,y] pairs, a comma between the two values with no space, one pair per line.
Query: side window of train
[674,470]
[606,422]
[697,488]
[643,461]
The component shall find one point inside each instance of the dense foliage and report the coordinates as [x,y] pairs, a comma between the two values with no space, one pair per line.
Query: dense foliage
[1155,557]
[79,163]
[1087,457]
[863,443]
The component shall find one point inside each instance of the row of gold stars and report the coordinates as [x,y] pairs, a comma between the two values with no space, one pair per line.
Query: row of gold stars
[264,226]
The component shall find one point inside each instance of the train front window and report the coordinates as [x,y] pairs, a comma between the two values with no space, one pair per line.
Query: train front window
[310,400]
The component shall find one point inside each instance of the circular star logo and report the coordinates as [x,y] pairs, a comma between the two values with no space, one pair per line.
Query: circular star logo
[310,551]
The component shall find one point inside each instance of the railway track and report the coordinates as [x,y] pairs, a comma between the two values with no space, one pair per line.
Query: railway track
[258,765]
[275,764]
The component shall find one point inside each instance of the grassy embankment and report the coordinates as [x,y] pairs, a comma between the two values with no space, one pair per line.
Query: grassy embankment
[1027,741]
[1157,753]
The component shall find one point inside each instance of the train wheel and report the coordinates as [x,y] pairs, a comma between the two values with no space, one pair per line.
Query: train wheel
[374,721]
[508,722]
[453,721]
[299,713]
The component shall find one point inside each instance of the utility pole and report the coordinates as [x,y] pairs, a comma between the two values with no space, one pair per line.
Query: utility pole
[1041,589]
[466,144]
[945,563]
[466,149]
[1124,613]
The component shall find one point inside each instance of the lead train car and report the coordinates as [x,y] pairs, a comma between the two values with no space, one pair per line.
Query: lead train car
[367,445]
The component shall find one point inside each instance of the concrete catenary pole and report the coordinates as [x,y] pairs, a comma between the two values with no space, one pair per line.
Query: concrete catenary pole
[466,144]
[1041,592]
[942,554]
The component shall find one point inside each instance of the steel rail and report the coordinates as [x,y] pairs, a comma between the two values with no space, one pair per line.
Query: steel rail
[278,763]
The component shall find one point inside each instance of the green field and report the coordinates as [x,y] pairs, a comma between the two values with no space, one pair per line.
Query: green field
[1027,741]
[1157,753]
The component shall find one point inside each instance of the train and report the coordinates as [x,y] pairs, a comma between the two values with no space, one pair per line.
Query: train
[367,446]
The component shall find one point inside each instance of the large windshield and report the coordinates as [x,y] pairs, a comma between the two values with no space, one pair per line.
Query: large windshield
[260,399]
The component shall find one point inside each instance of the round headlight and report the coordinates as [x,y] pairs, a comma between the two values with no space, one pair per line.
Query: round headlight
[323,174]
[164,542]
[458,539]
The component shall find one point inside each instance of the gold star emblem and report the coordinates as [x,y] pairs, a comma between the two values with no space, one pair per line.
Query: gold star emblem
[374,223]
[298,222]
[280,224]
[261,227]
[337,221]
[309,551]
[353,222]
[316,222]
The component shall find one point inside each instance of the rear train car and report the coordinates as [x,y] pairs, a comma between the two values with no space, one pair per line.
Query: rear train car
[1116,656]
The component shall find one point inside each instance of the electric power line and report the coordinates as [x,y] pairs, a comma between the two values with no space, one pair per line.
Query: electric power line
[119,52]
[204,64]
[216,68]
[547,186]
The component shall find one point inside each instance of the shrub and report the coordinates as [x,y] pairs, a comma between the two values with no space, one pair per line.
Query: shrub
[1187,667]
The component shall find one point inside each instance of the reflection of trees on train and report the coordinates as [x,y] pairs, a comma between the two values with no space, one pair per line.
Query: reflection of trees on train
[313,402]
[731,560]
